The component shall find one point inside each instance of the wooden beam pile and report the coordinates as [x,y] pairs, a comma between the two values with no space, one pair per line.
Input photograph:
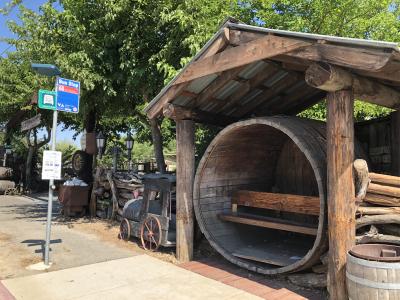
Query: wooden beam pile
[378,212]
[113,190]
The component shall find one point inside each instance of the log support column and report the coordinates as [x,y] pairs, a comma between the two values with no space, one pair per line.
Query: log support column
[341,200]
[341,87]
[184,189]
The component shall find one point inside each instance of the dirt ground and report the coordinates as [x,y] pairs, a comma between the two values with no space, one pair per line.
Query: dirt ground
[108,231]
[81,241]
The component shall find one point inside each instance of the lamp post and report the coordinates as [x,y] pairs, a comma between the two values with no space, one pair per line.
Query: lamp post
[100,143]
[115,151]
[49,71]
[129,146]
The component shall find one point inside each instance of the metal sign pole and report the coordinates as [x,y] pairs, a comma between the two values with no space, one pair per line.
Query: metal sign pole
[51,189]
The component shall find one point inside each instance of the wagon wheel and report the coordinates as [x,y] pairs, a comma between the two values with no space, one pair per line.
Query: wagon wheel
[150,233]
[125,230]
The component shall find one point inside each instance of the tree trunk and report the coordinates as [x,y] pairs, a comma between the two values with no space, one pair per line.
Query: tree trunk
[28,168]
[158,145]
[90,126]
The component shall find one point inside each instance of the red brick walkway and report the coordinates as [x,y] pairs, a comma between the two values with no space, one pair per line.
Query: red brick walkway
[239,278]
[4,293]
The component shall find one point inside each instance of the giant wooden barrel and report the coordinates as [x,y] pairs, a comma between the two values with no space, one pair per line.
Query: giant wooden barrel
[279,154]
[373,280]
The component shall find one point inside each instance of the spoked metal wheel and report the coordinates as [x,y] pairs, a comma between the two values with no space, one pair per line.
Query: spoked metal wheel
[150,233]
[125,230]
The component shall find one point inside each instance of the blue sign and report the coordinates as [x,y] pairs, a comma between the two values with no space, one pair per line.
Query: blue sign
[68,92]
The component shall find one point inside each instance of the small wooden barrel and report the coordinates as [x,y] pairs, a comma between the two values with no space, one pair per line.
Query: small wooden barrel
[372,279]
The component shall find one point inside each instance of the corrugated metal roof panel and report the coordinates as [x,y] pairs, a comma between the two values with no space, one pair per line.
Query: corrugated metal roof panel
[181,100]
[252,69]
[200,84]
[227,90]
[275,78]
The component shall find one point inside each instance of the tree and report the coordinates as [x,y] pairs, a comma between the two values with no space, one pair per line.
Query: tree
[124,51]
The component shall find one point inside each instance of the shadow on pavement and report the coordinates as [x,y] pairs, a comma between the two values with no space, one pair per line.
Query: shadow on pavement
[41,243]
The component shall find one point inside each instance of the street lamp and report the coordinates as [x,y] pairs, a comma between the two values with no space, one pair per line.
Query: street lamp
[46,69]
[100,142]
[129,146]
[49,71]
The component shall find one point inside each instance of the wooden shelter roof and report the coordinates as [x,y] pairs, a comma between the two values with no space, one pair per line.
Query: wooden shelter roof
[248,71]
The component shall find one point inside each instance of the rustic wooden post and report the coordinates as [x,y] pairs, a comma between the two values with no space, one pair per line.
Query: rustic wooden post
[184,189]
[341,200]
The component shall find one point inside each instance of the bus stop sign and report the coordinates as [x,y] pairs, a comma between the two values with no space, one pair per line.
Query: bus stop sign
[68,92]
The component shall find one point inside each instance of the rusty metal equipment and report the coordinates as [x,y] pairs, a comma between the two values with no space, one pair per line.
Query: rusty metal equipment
[152,219]
[74,200]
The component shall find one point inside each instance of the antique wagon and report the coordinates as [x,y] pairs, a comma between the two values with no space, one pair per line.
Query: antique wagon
[152,218]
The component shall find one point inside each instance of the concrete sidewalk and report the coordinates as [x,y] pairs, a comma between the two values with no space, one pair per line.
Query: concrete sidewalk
[139,277]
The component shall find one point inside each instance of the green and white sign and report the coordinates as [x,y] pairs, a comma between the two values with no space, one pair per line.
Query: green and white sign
[47,99]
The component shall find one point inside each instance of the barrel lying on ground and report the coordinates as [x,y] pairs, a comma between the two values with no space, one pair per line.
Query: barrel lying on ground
[260,193]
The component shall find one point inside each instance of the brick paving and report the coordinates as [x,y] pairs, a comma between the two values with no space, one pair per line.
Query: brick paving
[239,278]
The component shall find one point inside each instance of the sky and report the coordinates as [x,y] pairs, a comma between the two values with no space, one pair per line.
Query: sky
[62,135]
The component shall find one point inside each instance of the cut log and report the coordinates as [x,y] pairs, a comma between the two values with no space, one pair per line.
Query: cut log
[384,190]
[310,280]
[282,202]
[376,210]
[377,219]
[331,78]
[382,200]
[384,179]
[378,238]
[361,179]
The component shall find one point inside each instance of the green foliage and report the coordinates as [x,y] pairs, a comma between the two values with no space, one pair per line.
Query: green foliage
[124,51]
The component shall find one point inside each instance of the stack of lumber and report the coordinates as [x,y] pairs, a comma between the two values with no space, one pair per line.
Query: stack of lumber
[103,200]
[378,209]
[113,189]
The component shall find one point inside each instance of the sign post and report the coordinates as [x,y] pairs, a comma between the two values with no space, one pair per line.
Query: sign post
[51,189]
[65,98]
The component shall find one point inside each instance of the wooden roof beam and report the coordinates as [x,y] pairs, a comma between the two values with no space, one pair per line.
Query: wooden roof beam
[219,45]
[361,59]
[262,48]
[331,78]
[177,112]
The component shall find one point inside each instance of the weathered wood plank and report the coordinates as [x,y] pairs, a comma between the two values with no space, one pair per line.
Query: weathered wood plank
[282,202]
[272,223]
[362,59]
[265,47]
[384,179]
[184,189]
[341,200]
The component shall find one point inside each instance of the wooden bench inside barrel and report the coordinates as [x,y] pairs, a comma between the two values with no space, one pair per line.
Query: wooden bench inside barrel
[307,205]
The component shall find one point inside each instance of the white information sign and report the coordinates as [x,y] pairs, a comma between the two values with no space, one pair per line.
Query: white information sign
[51,168]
